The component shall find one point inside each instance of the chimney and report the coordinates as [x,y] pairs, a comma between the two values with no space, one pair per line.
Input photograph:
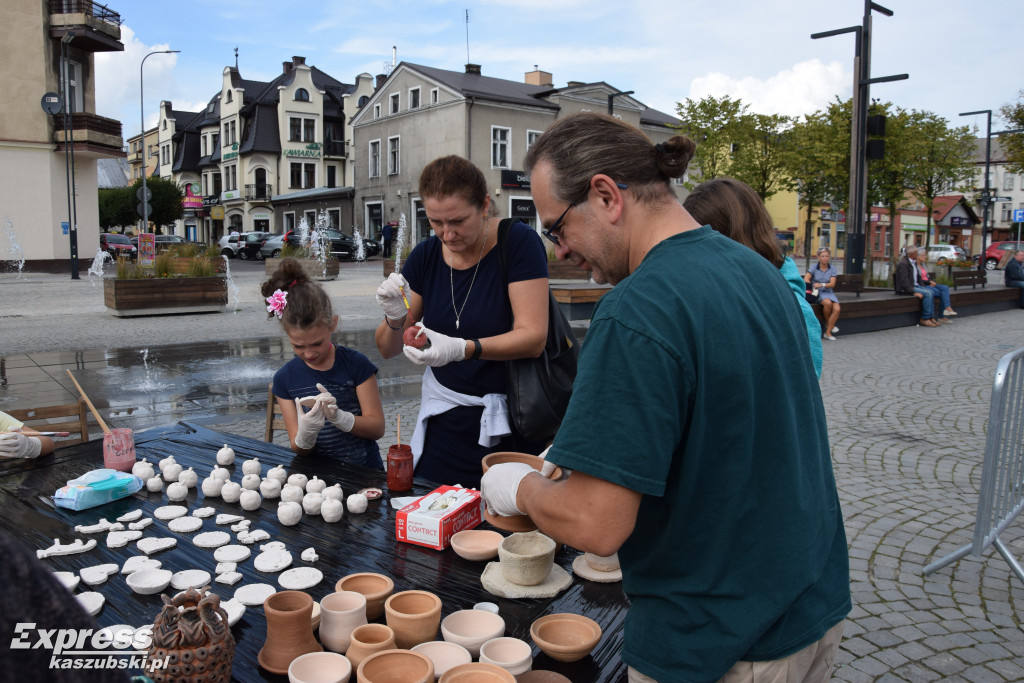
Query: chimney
[574,84]
[473,69]
[380,81]
[287,66]
[538,77]
[298,61]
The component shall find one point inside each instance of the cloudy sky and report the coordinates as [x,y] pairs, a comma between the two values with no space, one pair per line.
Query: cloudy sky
[665,51]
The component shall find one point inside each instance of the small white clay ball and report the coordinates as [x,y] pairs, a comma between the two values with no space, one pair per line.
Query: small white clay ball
[212,487]
[169,460]
[250,499]
[334,492]
[252,466]
[331,509]
[155,484]
[143,469]
[270,488]
[225,456]
[311,503]
[220,473]
[298,480]
[177,491]
[291,493]
[231,491]
[289,513]
[188,477]
[251,482]
[315,485]
[172,471]
[279,473]
[357,503]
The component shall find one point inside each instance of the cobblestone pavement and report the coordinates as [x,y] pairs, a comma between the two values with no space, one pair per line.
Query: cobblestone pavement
[907,411]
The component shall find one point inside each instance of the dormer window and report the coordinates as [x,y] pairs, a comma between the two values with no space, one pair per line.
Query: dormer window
[302,95]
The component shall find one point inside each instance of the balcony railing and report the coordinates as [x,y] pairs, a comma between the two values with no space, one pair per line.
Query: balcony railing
[257,192]
[88,8]
[336,148]
[92,26]
[98,132]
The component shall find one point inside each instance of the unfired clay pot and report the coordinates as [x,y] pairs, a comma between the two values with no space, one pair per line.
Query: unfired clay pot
[320,667]
[414,617]
[511,654]
[367,639]
[375,587]
[396,665]
[444,655]
[526,558]
[565,637]
[289,630]
[478,672]
[340,614]
[471,628]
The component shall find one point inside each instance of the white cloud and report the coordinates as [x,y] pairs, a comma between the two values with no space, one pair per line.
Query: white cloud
[802,89]
[117,82]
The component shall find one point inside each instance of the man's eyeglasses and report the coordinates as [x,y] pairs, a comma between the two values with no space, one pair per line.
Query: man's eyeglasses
[552,232]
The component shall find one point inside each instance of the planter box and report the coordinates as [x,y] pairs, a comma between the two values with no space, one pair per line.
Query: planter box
[181,264]
[165,296]
[314,269]
[565,270]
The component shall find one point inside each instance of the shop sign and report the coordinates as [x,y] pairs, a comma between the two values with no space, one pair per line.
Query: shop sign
[312,150]
[230,194]
[192,199]
[517,179]
[522,208]
[261,216]
[211,200]
[217,213]
[959,220]
[374,211]
[227,156]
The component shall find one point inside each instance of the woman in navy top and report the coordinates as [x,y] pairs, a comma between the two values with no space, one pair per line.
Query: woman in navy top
[455,291]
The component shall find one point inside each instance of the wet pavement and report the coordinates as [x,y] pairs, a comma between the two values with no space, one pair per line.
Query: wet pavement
[907,410]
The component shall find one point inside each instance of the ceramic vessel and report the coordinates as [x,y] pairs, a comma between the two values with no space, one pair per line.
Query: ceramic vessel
[526,558]
[367,639]
[541,676]
[476,545]
[320,667]
[601,563]
[289,630]
[396,666]
[478,672]
[444,655]
[511,654]
[515,523]
[376,588]
[414,617]
[149,581]
[565,637]
[192,637]
[471,628]
[340,614]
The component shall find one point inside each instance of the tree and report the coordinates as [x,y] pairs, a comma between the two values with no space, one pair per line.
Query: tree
[116,208]
[714,124]
[166,201]
[759,155]
[1013,143]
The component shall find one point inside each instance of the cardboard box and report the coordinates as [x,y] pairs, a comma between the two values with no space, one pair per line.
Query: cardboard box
[457,509]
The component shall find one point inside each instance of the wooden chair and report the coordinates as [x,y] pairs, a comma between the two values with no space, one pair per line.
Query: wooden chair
[275,421]
[49,419]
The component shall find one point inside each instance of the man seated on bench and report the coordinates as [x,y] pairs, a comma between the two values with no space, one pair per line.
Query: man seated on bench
[908,281]
[1013,276]
[943,290]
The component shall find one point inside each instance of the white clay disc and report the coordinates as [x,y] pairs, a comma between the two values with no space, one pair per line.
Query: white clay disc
[272,561]
[212,539]
[190,578]
[273,545]
[232,553]
[169,512]
[203,513]
[300,578]
[254,593]
[185,525]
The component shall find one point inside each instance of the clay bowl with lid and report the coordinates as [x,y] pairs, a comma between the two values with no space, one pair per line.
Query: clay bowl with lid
[471,628]
[476,545]
[565,637]
[396,666]
[479,672]
[376,588]
[514,522]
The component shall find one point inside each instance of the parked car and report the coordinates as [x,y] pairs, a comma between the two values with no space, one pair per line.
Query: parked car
[229,245]
[250,244]
[943,253]
[271,248]
[342,246]
[117,245]
[995,252]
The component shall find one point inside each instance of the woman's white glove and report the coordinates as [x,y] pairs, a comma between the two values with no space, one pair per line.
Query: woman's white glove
[442,350]
[389,296]
[500,485]
[336,416]
[16,445]
[310,424]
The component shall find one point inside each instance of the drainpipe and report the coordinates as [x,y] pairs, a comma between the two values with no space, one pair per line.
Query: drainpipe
[469,129]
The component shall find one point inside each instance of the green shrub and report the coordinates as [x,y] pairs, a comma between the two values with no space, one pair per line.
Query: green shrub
[211,251]
[201,266]
[163,265]
[129,270]
[184,250]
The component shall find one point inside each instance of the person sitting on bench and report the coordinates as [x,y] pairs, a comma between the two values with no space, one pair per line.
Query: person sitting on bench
[943,290]
[907,282]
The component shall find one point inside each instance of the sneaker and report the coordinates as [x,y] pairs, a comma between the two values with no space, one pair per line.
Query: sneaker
[835,330]
[927,323]
[943,321]
[828,336]
[949,312]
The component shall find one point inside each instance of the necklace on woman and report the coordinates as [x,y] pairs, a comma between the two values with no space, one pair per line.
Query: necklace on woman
[451,279]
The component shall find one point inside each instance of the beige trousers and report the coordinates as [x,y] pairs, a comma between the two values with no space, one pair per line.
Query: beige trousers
[813,664]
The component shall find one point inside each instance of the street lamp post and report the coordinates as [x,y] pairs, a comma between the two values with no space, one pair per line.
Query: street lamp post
[611,99]
[144,200]
[986,196]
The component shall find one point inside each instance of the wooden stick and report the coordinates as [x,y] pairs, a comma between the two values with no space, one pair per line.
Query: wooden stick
[399,430]
[95,413]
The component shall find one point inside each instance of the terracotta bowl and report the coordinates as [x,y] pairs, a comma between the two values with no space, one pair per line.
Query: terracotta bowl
[514,522]
[477,673]
[320,667]
[471,628]
[565,637]
[526,559]
[511,654]
[444,655]
[540,676]
[396,666]
[414,617]
[376,587]
[476,545]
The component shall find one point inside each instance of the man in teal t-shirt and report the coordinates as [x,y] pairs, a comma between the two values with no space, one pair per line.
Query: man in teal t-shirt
[696,433]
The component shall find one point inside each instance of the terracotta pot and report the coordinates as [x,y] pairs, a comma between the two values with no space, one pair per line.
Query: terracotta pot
[289,630]
[476,545]
[368,639]
[479,672]
[396,666]
[444,655]
[340,614]
[375,587]
[526,559]
[565,637]
[471,628]
[320,667]
[414,617]
[511,654]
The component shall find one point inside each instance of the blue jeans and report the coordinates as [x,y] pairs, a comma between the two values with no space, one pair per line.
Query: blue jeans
[1019,284]
[943,292]
[927,301]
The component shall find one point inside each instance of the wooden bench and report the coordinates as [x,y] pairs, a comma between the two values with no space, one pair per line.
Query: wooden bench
[577,299]
[969,277]
[849,283]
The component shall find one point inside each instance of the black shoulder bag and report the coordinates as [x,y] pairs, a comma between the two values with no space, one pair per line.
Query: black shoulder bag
[539,388]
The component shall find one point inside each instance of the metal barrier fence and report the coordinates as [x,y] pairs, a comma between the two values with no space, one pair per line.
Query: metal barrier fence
[1001,497]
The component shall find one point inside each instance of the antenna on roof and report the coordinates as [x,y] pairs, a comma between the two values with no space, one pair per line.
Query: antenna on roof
[236,58]
[467,36]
